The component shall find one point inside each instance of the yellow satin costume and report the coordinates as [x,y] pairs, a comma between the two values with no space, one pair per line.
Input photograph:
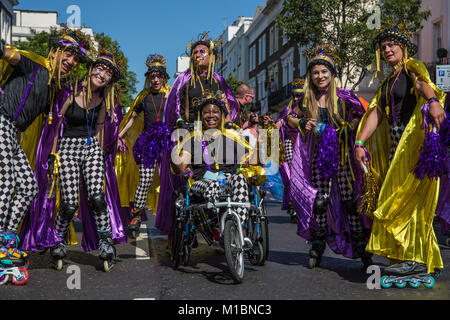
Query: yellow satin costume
[127,171]
[403,220]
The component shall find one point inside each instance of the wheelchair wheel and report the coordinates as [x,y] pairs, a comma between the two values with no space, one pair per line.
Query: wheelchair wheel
[234,251]
[256,253]
[177,244]
[265,238]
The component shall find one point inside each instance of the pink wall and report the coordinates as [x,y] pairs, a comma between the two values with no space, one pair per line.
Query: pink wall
[439,12]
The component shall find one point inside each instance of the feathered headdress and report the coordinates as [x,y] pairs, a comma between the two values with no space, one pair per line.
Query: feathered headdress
[155,63]
[297,85]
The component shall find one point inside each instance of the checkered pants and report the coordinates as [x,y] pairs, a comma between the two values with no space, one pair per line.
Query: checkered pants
[76,157]
[17,183]
[209,190]
[344,180]
[145,181]
[288,149]
[396,132]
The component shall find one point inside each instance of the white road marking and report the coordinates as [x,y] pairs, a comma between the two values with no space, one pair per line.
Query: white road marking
[142,248]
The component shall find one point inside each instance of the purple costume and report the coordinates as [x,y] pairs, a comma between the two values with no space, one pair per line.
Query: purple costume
[303,194]
[38,228]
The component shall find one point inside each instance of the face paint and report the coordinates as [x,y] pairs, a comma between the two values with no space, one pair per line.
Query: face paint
[203,52]
[328,74]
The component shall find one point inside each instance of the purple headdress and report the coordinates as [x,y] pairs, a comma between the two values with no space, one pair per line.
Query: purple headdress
[433,155]
[328,153]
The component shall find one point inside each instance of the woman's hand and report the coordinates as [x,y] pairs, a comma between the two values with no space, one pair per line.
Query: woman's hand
[360,156]
[310,124]
[437,114]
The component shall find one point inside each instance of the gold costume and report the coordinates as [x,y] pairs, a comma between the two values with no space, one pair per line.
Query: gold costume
[403,220]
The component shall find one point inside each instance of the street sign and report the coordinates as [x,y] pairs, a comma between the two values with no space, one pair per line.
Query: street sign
[443,77]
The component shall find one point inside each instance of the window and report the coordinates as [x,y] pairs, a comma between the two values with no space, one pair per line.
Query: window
[437,38]
[252,57]
[262,49]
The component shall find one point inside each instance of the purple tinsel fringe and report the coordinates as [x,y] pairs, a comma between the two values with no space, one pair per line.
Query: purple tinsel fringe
[328,153]
[152,143]
[445,130]
[433,155]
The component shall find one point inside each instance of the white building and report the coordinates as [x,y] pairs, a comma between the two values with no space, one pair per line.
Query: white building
[182,65]
[235,50]
[6,20]
[40,21]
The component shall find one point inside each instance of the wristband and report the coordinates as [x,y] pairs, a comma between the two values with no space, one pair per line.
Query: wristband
[2,50]
[433,99]
[359,143]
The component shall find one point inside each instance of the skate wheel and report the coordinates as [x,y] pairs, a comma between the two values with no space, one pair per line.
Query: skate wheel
[22,279]
[385,283]
[59,264]
[447,242]
[401,283]
[107,265]
[429,282]
[414,283]
[4,279]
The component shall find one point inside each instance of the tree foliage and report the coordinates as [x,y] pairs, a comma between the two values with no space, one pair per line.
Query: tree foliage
[345,24]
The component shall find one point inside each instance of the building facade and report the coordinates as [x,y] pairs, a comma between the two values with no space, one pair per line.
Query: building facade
[7,20]
[40,21]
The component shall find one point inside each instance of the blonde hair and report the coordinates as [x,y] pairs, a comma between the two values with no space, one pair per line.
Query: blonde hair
[310,102]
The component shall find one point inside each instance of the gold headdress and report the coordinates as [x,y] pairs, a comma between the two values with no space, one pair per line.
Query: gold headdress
[394,32]
[323,52]
[213,46]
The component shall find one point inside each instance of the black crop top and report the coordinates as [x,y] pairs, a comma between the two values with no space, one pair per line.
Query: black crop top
[77,121]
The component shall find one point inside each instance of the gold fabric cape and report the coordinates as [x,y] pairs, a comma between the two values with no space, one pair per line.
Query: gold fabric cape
[403,221]
[127,171]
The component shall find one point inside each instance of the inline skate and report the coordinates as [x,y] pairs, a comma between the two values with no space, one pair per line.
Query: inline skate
[409,273]
[107,251]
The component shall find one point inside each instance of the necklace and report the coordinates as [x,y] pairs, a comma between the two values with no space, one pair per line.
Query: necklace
[160,107]
[390,96]
[89,126]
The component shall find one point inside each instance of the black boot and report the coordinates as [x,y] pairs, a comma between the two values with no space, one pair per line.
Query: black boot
[292,214]
[317,248]
[359,244]
[406,268]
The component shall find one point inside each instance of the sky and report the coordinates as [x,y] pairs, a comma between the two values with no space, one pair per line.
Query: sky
[143,27]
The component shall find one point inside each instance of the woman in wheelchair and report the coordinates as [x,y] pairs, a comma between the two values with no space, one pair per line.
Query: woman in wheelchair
[209,151]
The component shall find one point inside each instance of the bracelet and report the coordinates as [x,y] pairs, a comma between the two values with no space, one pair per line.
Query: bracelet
[359,146]
[359,143]
[433,99]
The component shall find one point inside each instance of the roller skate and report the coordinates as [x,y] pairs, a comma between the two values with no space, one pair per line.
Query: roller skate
[12,268]
[8,245]
[58,253]
[409,272]
[135,224]
[107,250]
[317,249]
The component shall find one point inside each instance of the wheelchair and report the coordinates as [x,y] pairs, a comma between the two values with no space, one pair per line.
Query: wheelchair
[219,224]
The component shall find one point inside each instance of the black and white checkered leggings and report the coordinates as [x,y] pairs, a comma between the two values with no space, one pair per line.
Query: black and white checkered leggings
[76,157]
[344,180]
[209,190]
[288,149]
[17,183]
[396,131]
[145,181]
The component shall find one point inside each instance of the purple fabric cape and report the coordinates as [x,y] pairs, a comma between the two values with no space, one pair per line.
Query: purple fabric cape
[168,181]
[285,171]
[37,231]
[303,193]
[443,206]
